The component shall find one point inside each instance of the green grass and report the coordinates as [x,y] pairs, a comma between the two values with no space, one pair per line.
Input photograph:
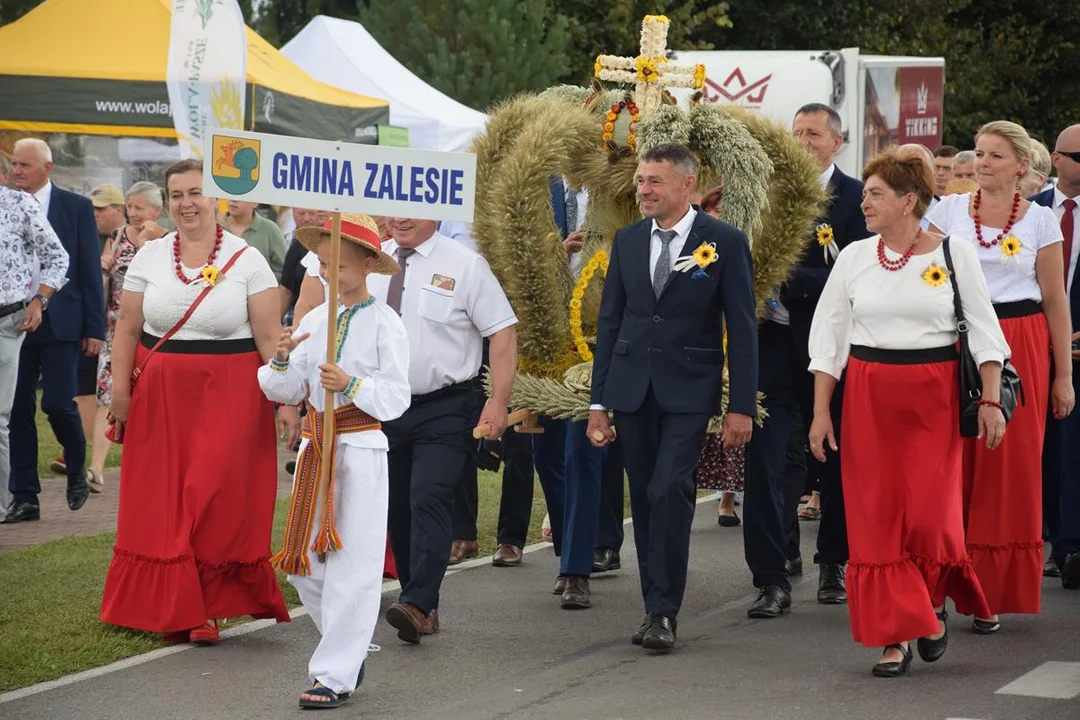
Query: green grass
[49,623]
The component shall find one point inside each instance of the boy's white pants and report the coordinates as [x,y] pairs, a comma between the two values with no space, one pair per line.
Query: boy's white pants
[342,595]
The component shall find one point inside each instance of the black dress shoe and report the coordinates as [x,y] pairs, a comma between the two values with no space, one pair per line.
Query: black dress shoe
[661,633]
[639,634]
[77,493]
[577,595]
[794,567]
[22,512]
[985,627]
[772,602]
[731,520]
[560,585]
[932,650]
[831,588]
[894,669]
[605,560]
[1050,569]
[1070,572]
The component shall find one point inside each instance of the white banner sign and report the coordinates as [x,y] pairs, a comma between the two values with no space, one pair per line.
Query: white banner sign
[339,176]
[207,69]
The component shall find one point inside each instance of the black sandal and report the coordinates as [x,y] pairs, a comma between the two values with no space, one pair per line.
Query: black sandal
[894,669]
[334,700]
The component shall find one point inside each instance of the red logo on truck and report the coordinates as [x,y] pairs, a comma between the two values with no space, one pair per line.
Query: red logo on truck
[735,88]
[921,95]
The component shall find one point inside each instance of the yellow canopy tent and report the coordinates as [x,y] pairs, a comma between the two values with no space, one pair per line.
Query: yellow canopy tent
[98,68]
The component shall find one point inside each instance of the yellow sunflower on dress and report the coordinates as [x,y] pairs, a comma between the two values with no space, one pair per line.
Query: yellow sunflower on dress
[1011,246]
[210,275]
[935,275]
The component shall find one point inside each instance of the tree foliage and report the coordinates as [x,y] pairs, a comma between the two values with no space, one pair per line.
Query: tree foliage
[475,51]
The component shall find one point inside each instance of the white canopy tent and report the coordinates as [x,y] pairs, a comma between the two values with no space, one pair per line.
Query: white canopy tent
[344,54]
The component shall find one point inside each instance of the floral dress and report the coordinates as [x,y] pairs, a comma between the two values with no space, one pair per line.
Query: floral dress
[123,251]
[719,468]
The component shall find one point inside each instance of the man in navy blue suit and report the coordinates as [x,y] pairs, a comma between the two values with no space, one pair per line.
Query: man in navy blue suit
[771,533]
[1061,448]
[74,321]
[659,363]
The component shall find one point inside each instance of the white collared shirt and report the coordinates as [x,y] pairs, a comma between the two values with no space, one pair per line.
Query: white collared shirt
[1059,213]
[450,302]
[44,196]
[682,232]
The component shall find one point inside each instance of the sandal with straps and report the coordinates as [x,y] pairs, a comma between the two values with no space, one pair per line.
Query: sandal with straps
[334,700]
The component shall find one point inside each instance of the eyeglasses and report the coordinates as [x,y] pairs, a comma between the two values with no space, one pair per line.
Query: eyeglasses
[1074,156]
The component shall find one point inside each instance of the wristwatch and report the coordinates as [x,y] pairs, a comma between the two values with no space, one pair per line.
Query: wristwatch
[42,299]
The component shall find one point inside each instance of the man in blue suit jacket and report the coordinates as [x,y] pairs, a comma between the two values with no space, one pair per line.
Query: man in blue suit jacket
[659,363]
[1061,447]
[74,321]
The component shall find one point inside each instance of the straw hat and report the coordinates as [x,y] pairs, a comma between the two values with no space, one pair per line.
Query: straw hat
[356,228]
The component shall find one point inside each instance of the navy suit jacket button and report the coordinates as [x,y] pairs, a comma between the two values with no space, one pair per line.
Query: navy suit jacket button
[656,318]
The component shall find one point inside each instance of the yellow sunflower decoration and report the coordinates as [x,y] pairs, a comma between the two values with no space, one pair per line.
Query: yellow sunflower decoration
[210,275]
[824,234]
[935,275]
[648,69]
[1011,246]
[599,261]
[705,255]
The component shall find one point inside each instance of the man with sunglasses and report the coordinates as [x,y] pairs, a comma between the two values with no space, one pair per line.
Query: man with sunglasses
[1061,448]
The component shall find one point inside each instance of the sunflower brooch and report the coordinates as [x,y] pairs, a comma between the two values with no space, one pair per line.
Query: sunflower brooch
[1010,249]
[826,240]
[210,275]
[935,275]
[702,257]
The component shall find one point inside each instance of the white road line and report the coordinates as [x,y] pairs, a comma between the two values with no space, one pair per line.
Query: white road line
[388,587]
[1057,680]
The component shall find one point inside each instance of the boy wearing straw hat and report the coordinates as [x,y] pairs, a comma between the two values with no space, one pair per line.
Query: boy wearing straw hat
[335,533]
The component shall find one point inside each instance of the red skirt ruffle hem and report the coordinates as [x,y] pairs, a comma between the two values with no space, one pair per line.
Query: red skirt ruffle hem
[197,493]
[1003,487]
[900,452]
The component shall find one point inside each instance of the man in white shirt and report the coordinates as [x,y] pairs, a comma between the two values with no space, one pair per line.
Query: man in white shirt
[450,301]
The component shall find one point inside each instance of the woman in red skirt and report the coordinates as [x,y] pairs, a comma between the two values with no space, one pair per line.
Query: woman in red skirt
[198,478]
[886,315]
[1019,248]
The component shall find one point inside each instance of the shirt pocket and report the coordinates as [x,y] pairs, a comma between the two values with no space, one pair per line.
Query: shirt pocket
[435,303]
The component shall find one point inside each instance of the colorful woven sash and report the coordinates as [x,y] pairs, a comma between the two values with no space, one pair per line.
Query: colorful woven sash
[293,558]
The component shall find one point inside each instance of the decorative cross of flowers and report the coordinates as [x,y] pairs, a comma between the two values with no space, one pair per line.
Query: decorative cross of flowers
[651,71]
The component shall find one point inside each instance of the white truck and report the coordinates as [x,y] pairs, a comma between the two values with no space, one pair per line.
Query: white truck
[882,100]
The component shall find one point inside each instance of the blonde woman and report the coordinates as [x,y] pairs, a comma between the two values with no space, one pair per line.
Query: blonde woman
[1019,249]
[143,205]
[1035,179]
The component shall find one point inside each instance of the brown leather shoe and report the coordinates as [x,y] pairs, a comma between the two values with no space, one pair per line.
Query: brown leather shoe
[410,622]
[507,556]
[560,585]
[577,595]
[463,550]
[433,623]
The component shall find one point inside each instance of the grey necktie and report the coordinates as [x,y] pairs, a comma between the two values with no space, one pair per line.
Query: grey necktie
[663,265]
[571,210]
[397,281]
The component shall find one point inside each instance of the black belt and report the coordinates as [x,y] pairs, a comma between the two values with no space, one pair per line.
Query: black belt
[904,357]
[13,308]
[454,389]
[1018,309]
[201,347]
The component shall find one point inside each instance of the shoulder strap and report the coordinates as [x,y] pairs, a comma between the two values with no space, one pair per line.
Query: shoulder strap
[958,306]
[190,311]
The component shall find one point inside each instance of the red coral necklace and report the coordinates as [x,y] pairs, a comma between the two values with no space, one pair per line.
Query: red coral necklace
[894,265]
[1004,231]
[209,260]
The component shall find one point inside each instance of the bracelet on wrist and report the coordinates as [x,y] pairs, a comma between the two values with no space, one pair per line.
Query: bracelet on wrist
[991,403]
[278,365]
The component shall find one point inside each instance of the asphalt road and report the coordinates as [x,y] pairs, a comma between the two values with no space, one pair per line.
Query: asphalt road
[506,650]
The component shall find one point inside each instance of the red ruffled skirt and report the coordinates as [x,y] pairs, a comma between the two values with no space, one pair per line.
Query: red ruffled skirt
[198,484]
[900,452]
[1003,487]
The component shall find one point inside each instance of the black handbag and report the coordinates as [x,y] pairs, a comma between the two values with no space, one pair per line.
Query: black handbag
[1012,390]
